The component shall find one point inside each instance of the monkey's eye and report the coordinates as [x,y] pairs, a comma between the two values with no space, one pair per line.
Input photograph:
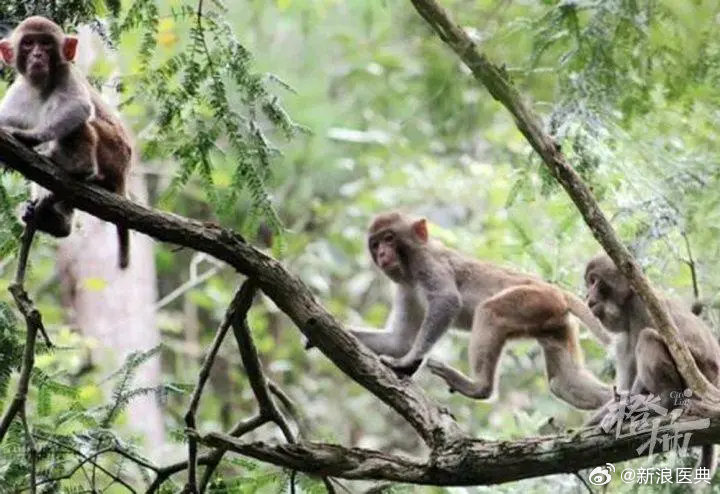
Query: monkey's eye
[389,237]
[26,42]
[603,288]
[374,245]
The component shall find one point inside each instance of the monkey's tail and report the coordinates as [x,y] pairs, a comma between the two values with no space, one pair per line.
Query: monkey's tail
[124,246]
[581,311]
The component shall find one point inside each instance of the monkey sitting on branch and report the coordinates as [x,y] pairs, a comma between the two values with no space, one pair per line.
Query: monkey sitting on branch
[642,360]
[437,287]
[52,106]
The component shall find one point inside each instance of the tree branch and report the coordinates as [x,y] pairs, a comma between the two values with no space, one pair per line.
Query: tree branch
[33,322]
[465,462]
[241,301]
[497,83]
[290,294]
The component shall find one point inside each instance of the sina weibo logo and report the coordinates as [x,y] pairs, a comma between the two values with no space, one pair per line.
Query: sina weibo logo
[601,475]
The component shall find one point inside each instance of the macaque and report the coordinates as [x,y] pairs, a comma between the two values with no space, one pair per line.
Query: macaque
[437,287]
[51,106]
[642,360]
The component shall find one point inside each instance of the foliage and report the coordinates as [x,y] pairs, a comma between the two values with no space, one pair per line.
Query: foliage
[72,434]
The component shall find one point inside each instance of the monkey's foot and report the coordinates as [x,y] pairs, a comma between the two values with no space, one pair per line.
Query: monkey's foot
[401,366]
[443,371]
[458,382]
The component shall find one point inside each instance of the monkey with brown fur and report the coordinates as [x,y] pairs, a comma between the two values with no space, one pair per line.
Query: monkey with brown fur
[437,287]
[642,360]
[51,105]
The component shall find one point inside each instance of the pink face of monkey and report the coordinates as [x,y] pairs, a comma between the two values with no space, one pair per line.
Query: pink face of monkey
[391,238]
[36,48]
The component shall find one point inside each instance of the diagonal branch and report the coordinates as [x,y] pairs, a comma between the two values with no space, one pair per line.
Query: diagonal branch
[497,83]
[288,292]
[255,374]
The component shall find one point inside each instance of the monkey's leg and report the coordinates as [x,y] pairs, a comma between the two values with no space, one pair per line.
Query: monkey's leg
[50,215]
[486,345]
[569,380]
[657,373]
[386,342]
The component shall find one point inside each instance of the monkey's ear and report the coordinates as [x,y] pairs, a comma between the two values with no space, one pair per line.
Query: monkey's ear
[69,48]
[420,229]
[6,51]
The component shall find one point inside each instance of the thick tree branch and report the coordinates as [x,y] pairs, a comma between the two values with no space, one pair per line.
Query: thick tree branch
[465,462]
[290,294]
[497,83]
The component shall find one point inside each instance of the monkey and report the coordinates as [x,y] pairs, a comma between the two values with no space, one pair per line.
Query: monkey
[642,360]
[437,287]
[52,106]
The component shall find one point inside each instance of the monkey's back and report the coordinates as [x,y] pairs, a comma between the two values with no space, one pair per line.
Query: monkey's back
[114,150]
[478,281]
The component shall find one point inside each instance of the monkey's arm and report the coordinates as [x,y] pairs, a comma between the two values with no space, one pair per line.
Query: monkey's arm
[403,324]
[68,111]
[625,363]
[443,305]
[15,106]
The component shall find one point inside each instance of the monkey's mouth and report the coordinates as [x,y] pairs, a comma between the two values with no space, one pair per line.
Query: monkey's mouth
[37,69]
[389,266]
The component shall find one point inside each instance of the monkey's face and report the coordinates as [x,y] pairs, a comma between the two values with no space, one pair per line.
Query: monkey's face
[37,56]
[608,293]
[384,250]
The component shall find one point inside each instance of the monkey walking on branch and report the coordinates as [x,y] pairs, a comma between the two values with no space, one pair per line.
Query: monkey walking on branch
[52,106]
[437,287]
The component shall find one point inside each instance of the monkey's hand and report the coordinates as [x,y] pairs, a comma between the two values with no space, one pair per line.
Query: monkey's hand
[402,366]
[29,211]
[27,137]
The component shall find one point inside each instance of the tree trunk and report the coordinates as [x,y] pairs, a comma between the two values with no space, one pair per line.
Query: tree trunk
[116,307]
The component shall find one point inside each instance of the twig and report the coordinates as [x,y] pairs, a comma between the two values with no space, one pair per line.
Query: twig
[31,450]
[91,459]
[242,298]
[584,482]
[697,305]
[25,243]
[194,280]
[33,321]
[291,408]
[255,374]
